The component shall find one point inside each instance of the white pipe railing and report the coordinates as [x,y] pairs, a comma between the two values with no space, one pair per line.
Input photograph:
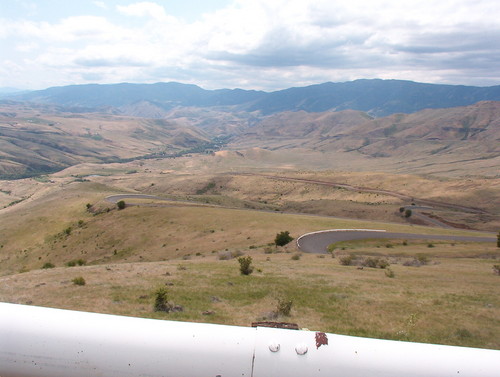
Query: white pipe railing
[43,342]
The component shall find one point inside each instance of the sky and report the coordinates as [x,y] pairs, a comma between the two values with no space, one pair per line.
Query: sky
[249,44]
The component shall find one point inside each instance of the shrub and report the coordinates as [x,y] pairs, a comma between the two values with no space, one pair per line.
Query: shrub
[346,260]
[401,209]
[284,307]
[370,262]
[408,213]
[161,303]
[496,269]
[246,267]
[296,256]
[268,250]
[121,204]
[389,273]
[422,258]
[68,230]
[498,239]
[382,263]
[79,262]
[430,245]
[48,265]
[79,281]
[283,238]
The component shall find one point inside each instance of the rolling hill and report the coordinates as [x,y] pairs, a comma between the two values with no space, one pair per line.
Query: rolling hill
[35,141]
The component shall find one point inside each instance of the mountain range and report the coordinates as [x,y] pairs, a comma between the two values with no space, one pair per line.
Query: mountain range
[376,97]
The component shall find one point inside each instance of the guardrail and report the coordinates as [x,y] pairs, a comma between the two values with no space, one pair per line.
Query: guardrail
[44,342]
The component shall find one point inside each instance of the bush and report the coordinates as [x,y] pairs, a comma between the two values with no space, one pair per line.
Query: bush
[375,263]
[346,260]
[161,303]
[422,258]
[408,213]
[246,267]
[48,265]
[498,239]
[296,256]
[79,281]
[121,204]
[370,262]
[79,262]
[283,238]
[284,307]
[389,273]
[496,269]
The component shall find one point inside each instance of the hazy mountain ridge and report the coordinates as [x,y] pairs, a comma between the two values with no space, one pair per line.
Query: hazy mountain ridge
[376,97]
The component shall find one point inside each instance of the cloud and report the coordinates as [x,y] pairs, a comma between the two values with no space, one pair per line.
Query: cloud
[100,4]
[268,44]
[145,9]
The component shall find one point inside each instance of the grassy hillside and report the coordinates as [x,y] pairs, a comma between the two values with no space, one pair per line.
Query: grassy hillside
[127,254]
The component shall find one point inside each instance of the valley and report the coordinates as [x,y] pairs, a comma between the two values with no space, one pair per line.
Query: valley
[205,185]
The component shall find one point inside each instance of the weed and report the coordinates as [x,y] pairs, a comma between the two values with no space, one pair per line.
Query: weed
[496,269]
[284,307]
[246,267]
[48,265]
[79,281]
[389,273]
[346,260]
[268,250]
[423,259]
[75,262]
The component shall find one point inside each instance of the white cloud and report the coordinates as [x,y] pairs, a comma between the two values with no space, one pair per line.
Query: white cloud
[100,4]
[270,43]
[145,9]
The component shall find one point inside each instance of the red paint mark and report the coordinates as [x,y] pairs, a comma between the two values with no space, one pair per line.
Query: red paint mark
[321,339]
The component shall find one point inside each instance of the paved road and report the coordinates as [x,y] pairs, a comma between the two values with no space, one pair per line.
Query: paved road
[318,242]
[116,198]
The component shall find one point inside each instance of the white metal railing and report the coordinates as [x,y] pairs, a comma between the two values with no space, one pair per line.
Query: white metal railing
[43,342]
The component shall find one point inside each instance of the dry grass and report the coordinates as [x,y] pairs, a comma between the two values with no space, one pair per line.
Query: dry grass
[452,300]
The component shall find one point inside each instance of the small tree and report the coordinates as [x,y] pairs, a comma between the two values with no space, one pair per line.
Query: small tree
[246,267]
[121,204]
[161,300]
[498,239]
[408,213]
[283,238]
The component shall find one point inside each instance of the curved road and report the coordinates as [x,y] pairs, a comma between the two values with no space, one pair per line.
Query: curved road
[318,242]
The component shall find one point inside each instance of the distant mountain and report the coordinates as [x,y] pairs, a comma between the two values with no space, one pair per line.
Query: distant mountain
[375,97]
